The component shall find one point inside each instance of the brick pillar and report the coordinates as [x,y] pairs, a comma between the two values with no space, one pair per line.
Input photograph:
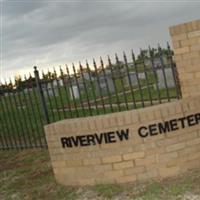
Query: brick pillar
[186,43]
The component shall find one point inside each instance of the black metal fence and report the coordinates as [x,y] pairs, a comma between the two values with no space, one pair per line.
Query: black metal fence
[28,104]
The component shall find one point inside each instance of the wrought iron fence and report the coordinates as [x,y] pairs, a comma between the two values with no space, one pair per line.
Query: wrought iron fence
[21,120]
[26,105]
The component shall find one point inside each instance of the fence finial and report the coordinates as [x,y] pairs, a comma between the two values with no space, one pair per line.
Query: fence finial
[133,55]
[109,61]
[124,55]
[87,65]
[94,63]
[116,57]
[101,61]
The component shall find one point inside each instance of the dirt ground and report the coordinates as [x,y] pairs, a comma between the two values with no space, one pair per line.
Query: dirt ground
[27,175]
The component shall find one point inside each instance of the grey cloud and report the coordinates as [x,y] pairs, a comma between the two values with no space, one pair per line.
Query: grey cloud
[50,33]
[18,9]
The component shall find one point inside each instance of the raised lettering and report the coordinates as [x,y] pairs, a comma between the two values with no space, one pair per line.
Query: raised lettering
[75,140]
[91,139]
[83,140]
[163,127]
[153,130]
[99,138]
[143,134]
[197,118]
[173,124]
[111,137]
[191,120]
[124,134]
[66,142]
[182,120]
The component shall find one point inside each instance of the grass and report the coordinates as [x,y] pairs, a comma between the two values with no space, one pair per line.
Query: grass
[27,175]
[108,191]
[153,192]
[176,190]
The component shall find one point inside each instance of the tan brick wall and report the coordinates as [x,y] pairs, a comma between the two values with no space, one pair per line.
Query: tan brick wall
[186,43]
[136,159]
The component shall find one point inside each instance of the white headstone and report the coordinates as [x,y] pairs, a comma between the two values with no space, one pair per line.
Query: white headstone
[74,92]
[133,79]
[60,82]
[55,83]
[169,78]
[86,76]
[49,89]
[141,75]
[103,86]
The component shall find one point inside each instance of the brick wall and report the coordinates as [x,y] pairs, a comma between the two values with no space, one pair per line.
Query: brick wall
[186,43]
[138,158]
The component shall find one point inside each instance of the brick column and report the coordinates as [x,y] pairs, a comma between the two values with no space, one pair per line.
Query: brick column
[186,43]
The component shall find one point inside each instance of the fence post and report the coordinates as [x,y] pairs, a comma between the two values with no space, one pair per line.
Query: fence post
[41,96]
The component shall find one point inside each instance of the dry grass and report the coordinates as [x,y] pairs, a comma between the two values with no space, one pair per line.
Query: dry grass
[27,175]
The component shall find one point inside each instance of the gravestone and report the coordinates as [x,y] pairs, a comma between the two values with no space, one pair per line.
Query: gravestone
[50,89]
[102,85]
[141,75]
[169,78]
[88,75]
[156,62]
[77,87]
[26,90]
[133,79]
[108,72]
[60,82]
[74,92]
[131,65]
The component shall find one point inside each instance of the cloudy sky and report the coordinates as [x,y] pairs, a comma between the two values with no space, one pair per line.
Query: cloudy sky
[53,33]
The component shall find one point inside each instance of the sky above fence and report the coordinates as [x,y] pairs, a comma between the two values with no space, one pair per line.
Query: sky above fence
[53,33]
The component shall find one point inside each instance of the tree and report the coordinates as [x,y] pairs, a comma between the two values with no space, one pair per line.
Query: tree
[49,76]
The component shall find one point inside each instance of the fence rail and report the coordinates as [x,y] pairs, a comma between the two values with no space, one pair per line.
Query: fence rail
[28,104]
